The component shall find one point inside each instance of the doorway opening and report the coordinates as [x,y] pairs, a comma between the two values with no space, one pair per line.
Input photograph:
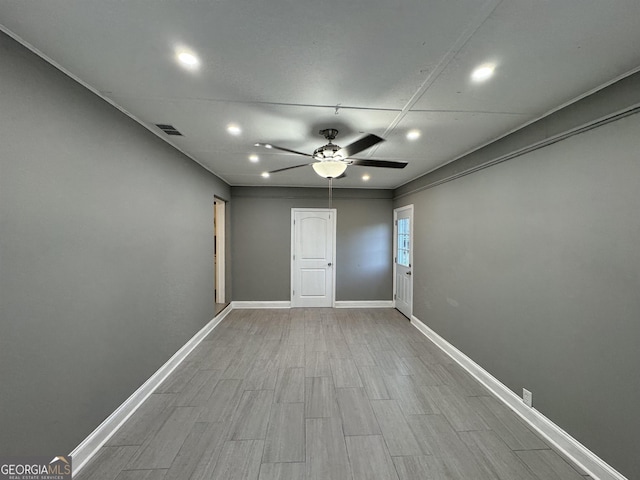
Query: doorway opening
[219,252]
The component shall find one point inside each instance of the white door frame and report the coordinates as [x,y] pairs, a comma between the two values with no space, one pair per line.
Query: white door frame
[395,252]
[220,253]
[334,214]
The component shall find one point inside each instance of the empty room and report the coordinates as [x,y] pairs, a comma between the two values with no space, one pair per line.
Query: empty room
[319,240]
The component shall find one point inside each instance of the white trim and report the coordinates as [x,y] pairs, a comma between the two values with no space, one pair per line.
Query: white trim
[220,235]
[96,439]
[248,304]
[569,446]
[364,304]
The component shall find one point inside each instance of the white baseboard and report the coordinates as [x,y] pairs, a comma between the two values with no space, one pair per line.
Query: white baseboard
[249,304]
[337,304]
[364,304]
[90,445]
[578,453]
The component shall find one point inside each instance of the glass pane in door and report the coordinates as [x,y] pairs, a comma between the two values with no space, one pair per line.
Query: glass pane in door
[402,254]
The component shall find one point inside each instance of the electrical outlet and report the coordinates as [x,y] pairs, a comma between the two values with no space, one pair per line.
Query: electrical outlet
[527,397]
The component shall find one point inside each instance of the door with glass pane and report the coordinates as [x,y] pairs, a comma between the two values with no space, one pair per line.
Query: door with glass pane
[403,258]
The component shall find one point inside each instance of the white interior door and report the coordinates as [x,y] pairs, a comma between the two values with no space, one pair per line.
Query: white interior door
[403,258]
[312,264]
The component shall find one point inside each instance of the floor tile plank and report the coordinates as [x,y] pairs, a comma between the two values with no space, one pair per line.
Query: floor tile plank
[291,356]
[262,376]
[160,450]
[201,439]
[395,429]
[369,458]
[420,372]
[361,355]
[222,402]
[199,389]
[290,385]
[142,475]
[548,465]
[107,463]
[317,364]
[326,451]
[175,383]
[495,455]
[251,418]
[506,424]
[454,407]
[390,363]
[320,398]
[285,434]
[239,460]
[410,397]
[146,421]
[283,471]
[357,415]
[345,373]
[421,467]
[373,382]
[435,435]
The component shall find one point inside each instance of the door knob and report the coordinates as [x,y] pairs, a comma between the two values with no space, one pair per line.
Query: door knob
[408,273]
[329,264]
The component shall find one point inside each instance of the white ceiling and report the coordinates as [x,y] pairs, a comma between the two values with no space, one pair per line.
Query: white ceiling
[283,69]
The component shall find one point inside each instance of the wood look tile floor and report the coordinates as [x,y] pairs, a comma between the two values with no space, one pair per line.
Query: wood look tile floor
[323,394]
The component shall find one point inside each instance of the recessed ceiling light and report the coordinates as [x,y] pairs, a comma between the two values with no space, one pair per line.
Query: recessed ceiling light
[265,175]
[254,158]
[483,72]
[413,134]
[188,59]
[234,129]
[365,177]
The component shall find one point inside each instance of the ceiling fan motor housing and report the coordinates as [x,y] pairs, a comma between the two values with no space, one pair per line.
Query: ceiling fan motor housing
[327,152]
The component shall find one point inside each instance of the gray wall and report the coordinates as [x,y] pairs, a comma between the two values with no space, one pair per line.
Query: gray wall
[261,231]
[106,255]
[531,267]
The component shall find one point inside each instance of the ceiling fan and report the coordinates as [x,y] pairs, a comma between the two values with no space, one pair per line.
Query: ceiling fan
[331,160]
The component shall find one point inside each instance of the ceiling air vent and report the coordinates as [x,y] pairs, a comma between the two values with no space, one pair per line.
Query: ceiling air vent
[168,129]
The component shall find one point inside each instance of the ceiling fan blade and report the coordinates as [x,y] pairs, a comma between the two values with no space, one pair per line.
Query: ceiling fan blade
[359,145]
[269,146]
[289,168]
[368,162]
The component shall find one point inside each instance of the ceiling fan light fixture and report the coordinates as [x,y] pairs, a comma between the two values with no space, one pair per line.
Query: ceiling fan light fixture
[329,168]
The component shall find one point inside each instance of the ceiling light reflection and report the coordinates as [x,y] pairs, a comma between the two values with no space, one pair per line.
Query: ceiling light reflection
[483,72]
